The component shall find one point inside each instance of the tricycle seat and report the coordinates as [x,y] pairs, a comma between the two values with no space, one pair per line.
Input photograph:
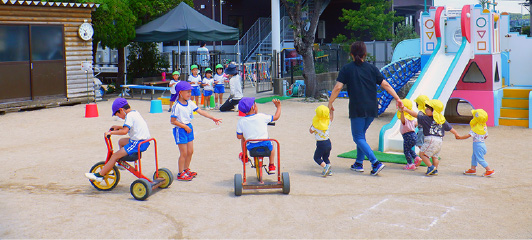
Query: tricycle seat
[130,158]
[262,151]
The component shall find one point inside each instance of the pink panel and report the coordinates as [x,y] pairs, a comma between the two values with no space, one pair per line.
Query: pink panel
[479,99]
[484,63]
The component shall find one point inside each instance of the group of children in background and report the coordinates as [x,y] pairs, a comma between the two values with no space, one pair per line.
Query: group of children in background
[211,85]
[429,120]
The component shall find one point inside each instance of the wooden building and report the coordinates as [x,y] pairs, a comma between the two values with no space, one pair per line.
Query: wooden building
[42,48]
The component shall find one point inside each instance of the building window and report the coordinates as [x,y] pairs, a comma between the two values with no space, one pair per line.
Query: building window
[14,45]
[474,75]
[47,43]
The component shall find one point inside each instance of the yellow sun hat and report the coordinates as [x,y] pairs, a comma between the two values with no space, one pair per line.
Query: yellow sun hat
[408,104]
[322,118]
[421,100]
[437,105]
[478,123]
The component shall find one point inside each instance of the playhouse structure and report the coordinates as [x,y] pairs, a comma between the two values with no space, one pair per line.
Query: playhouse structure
[469,55]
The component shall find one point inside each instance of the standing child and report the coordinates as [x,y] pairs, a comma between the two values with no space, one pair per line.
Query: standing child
[173,96]
[208,88]
[135,126]
[219,88]
[183,132]
[254,126]
[479,132]
[320,128]
[408,130]
[195,80]
[434,127]
[421,100]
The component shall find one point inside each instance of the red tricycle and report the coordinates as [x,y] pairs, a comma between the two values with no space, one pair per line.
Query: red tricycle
[140,188]
[258,153]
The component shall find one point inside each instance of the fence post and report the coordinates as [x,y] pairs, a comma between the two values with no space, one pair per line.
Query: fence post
[337,59]
[173,61]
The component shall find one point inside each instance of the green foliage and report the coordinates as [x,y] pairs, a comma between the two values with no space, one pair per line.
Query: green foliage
[145,60]
[114,23]
[373,20]
[525,30]
[403,32]
[483,3]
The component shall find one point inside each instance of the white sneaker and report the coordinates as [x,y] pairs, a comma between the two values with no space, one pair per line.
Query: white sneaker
[93,177]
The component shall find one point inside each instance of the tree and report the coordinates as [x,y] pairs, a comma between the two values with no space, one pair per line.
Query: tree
[483,3]
[145,60]
[403,32]
[114,27]
[304,36]
[374,20]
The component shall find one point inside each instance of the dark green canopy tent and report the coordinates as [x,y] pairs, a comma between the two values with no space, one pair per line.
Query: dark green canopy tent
[184,23]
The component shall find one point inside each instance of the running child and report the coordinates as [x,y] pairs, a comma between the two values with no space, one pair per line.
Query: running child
[208,88]
[479,132]
[408,130]
[173,96]
[219,88]
[420,104]
[434,127]
[195,81]
[183,131]
[135,126]
[254,126]
[320,128]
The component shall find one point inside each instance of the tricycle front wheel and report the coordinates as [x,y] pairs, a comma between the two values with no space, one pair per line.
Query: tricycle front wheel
[110,180]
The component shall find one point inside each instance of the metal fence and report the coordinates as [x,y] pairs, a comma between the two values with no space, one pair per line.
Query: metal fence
[180,61]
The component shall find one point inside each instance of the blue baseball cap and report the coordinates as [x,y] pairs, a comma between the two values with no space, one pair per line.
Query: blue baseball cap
[245,104]
[117,104]
[182,86]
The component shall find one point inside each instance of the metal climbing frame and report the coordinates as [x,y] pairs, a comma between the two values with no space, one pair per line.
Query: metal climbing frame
[397,74]
[259,75]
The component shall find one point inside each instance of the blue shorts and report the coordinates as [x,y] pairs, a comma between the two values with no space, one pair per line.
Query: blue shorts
[173,97]
[268,144]
[133,146]
[219,88]
[181,136]
[195,91]
[207,93]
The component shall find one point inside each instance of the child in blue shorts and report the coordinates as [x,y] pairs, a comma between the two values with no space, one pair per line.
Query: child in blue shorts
[135,126]
[195,81]
[254,126]
[479,132]
[208,88]
[219,87]
[183,132]
[173,96]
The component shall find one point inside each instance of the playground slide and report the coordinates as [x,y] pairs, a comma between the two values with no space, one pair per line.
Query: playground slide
[437,81]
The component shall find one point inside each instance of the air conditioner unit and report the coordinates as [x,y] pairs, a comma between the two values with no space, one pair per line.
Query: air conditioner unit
[114,56]
[100,56]
[321,30]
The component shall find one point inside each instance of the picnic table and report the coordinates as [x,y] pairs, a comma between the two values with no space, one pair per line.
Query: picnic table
[143,88]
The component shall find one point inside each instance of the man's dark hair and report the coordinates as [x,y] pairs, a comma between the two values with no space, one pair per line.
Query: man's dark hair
[202,43]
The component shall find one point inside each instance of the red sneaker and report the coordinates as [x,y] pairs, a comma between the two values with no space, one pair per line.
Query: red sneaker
[489,173]
[271,169]
[470,172]
[190,173]
[183,177]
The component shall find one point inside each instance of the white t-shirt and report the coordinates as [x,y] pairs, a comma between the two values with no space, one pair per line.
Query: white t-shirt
[210,84]
[138,129]
[254,126]
[172,88]
[194,81]
[477,137]
[219,79]
[236,86]
[320,134]
[183,113]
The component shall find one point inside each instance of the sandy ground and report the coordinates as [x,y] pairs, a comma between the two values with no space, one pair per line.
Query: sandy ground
[44,194]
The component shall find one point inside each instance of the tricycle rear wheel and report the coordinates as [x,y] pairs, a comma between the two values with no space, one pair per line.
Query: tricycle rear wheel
[286,182]
[238,184]
[167,175]
[140,189]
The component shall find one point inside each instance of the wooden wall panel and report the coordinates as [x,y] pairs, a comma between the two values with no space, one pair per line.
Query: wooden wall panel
[76,50]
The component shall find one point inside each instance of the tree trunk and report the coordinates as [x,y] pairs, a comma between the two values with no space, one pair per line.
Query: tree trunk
[121,69]
[309,73]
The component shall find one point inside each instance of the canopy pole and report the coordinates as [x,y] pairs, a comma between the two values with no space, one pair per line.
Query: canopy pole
[188,56]
[179,56]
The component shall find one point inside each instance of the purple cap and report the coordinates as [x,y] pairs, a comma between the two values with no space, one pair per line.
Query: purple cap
[245,104]
[182,86]
[117,104]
